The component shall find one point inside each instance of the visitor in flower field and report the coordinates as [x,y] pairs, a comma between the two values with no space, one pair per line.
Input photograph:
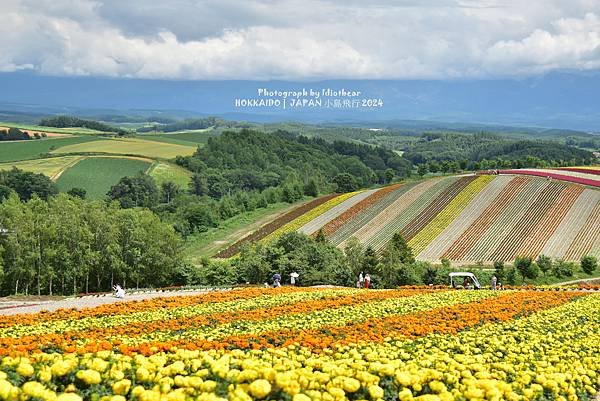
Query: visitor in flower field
[494,281]
[276,280]
[119,291]
[367,280]
[361,280]
[293,277]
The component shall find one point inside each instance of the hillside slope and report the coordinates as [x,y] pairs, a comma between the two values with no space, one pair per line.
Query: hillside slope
[465,219]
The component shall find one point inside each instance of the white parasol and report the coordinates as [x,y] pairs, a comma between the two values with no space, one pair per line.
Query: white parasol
[295,275]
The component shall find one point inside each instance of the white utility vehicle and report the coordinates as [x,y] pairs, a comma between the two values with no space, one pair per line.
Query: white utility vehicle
[465,280]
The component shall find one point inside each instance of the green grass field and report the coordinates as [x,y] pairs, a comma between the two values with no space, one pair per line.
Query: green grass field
[165,139]
[97,174]
[35,148]
[50,166]
[163,172]
[192,136]
[208,243]
[200,136]
[130,146]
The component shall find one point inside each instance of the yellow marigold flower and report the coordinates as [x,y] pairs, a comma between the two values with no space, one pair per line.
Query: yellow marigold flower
[62,367]
[33,389]
[336,392]
[404,378]
[301,397]
[99,365]
[150,395]
[209,386]
[5,388]
[248,375]
[89,376]
[260,388]
[428,397]
[351,385]
[437,386]
[117,398]
[405,395]
[375,391]
[45,374]
[69,397]
[25,369]
[137,391]
[121,387]
[142,374]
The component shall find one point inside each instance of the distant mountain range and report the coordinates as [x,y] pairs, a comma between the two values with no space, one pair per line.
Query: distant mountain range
[558,100]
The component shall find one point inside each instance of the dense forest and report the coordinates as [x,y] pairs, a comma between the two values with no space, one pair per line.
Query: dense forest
[478,147]
[252,160]
[69,122]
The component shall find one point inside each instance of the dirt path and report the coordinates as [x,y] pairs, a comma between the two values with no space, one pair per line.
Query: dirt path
[14,307]
[56,176]
[581,280]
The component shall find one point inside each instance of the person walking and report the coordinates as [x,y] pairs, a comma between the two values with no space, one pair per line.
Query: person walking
[361,280]
[494,282]
[293,277]
[367,281]
[276,280]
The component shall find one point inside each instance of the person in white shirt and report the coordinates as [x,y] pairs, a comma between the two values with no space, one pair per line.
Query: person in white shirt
[119,291]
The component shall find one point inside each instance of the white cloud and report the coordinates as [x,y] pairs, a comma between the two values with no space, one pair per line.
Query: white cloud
[572,43]
[299,39]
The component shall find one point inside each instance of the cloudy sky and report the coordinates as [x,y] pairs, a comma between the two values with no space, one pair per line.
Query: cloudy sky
[300,39]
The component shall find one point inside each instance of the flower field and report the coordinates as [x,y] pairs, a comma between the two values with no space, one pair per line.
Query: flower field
[465,218]
[580,177]
[310,344]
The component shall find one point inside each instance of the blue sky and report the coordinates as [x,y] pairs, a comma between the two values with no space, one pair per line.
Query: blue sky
[300,39]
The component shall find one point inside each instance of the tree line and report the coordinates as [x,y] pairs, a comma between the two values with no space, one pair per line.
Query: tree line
[319,262]
[68,245]
[71,122]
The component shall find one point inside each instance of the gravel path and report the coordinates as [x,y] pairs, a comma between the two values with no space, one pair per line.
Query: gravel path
[19,307]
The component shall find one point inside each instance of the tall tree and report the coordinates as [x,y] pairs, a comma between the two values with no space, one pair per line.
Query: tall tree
[137,191]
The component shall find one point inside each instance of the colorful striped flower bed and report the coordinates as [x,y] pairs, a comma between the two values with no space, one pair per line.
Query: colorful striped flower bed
[554,175]
[311,344]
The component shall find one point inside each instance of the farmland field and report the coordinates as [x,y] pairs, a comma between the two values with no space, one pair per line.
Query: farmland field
[36,148]
[311,344]
[97,174]
[130,146]
[68,131]
[198,137]
[163,172]
[174,141]
[50,167]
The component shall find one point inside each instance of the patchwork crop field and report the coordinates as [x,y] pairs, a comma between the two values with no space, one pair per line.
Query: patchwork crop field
[36,148]
[98,174]
[310,344]
[465,219]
